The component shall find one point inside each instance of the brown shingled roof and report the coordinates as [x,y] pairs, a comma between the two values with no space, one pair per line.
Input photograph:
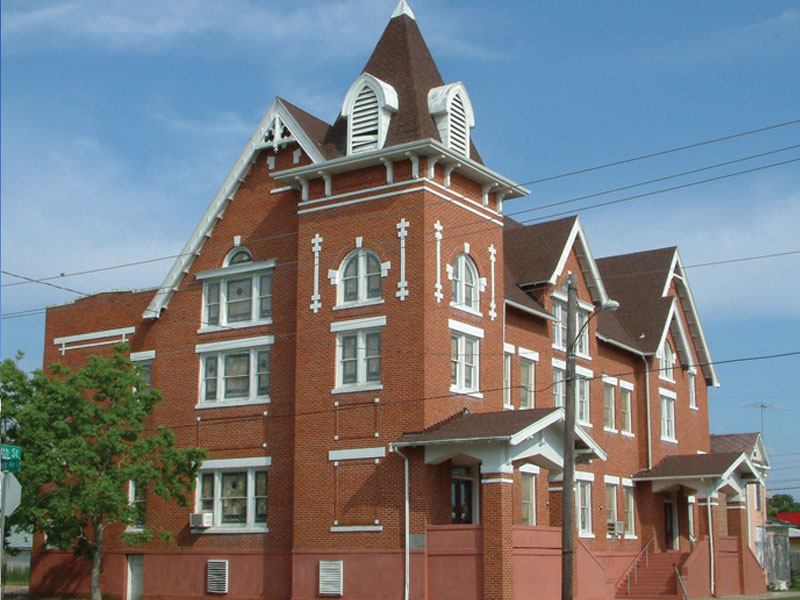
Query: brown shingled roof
[637,281]
[690,465]
[480,425]
[734,442]
[315,128]
[532,252]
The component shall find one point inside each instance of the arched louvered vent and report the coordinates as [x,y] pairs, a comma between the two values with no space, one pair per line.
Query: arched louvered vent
[364,121]
[459,131]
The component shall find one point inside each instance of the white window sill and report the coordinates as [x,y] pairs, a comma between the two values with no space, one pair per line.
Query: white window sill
[561,348]
[357,388]
[670,440]
[610,430]
[694,408]
[506,406]
[667,379]
[466,309]
[582,356]
[585,534]
[345,306]
[613,536]
[229,403]
[355,528]
[471,393]
[585,424]
[229,326]
[229,530]
[631,537]
[134,529]
[628,434]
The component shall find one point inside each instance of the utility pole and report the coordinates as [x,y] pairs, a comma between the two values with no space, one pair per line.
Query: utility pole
[568,487]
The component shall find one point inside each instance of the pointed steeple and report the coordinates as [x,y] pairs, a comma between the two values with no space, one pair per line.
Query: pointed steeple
[402,9]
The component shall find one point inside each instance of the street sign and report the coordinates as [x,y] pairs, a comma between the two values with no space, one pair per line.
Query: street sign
[12,494]
[10,456]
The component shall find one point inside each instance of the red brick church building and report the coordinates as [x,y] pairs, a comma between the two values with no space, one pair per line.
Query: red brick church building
[374,357]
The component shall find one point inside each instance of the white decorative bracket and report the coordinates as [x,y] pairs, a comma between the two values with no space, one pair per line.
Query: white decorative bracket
[316,247]
[402,232]
[438,233]
[389,169]
[448,170]
[432,160]
[296,156]
[414,164]
[270,162]
[327,179]
[493,303]
[485,190]
[304,187]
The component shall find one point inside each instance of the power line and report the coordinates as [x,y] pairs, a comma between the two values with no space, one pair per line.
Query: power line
[660,153]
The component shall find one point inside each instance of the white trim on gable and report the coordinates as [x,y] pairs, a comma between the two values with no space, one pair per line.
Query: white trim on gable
[588,265]
[224,195]
[674,324]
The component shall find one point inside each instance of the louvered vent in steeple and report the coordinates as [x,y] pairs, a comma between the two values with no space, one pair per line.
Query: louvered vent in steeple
[364,121]
[368,108]
[459,132]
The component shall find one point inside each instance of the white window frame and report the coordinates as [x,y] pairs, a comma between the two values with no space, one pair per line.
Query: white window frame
[559,386]
[582,312]
[560,324]
[692,383]
[629,509]
[609,410]
[668,426]
[218,279]
[361,328]
[462,265]
[216,468]
[583,396]
[612,512]
[506,380]
[666,357]
[583,506]
[144,360]
[626,401]
[527,395]
[360,255]
[220,350]
[528,480]
[132,501]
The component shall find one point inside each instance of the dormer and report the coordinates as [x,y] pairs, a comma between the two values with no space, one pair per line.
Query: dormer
[451,109]
[368,108]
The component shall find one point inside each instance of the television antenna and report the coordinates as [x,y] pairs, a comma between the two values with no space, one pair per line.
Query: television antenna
[764,407]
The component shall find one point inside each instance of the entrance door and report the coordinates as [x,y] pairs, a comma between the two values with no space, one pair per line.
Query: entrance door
[462,500]
[670,525]
[135,577]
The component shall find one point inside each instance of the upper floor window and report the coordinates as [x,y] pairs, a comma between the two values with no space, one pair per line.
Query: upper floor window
[358,354]
[137,498]
[667,359]
[526,382]
[560,328]
[692,390]
[667,417]
[625,410]
[465,283]
[360,278]
[237,295]
[368,107]
[234,372]
[464,352]
[235,496]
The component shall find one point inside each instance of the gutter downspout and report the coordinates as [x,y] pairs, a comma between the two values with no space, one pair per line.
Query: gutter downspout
[647,404]
[407,575]
[711,539]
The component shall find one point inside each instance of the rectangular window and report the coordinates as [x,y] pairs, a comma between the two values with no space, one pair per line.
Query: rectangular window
[463,363]
[507,379]
[359,358]
[582,343]
[526,383]
[608,407]
[137,498]
[691,518]
[611,509]
[237,498]
[628,508]
[692,391]
[559,386]
[625,410]
[560,324]
[528,499]
[240,375]
[584,506]
[668,418]
[584,409]
[243,300]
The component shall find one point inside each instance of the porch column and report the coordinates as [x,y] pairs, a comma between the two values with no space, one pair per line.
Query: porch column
[737,527]
[496,524]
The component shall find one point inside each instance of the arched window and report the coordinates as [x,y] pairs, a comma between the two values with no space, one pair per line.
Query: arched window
[360,277]
[667,362]
[238,256]
[465,283]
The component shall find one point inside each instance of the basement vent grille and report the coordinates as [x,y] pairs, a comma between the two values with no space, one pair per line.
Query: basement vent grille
[459,132]
[364,121]
[217,577]
[331,574]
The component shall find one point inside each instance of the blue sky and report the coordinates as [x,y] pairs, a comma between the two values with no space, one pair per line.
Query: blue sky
[120,121]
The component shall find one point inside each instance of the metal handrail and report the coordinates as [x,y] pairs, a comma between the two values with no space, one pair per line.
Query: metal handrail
[680,581]
[634,566]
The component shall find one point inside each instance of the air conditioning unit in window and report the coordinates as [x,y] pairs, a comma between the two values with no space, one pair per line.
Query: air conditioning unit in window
[616,527]
[201,520]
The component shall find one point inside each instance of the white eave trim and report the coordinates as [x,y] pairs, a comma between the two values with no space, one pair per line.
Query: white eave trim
[593,280]
[225,193]
[620,345]
[428,147]
[236,463]
[248,267]
[529,310]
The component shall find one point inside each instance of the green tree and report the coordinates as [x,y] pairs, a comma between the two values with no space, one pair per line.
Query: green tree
[84,436]
[781,503]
